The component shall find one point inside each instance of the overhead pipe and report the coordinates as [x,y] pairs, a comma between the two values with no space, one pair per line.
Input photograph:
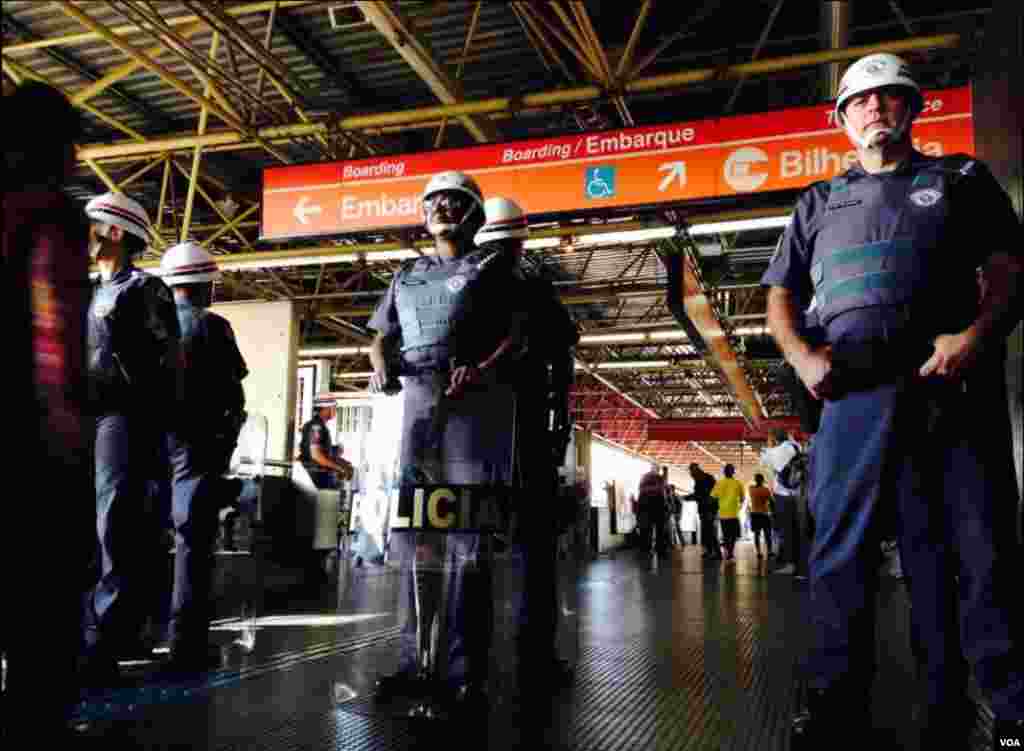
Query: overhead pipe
[541,99]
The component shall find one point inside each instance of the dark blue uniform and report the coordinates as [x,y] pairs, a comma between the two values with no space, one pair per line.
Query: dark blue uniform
[315,432]
[200,449]
[449,312]
[891,261]
[133,374]
[543,380]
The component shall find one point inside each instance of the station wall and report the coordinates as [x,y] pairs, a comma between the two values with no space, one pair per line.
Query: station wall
[268,338]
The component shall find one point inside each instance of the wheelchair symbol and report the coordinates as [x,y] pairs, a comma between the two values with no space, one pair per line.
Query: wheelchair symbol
[598,185]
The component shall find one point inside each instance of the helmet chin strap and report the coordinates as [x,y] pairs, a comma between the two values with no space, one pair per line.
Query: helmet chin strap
[874,139]
[448,229]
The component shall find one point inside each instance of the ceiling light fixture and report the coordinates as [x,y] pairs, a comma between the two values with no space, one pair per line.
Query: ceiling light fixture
[627,236]
[739,225]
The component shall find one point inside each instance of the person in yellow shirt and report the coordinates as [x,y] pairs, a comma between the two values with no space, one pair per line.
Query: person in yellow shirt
[730,494]
[760,519]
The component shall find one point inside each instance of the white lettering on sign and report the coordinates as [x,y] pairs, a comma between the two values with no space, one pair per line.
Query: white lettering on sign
[538,153]
[380,169]
[660,139]
[813,162]
[1009,742]
[385,207]
[823,162]
[931,106]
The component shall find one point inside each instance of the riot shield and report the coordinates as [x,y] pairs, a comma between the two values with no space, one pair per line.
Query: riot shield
[450,591]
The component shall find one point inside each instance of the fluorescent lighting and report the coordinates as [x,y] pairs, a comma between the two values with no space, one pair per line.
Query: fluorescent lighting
[226,264]
[353,376]
[332,351]
[750,330]
[542,242]
[739,225]
[391,255]
[628,236]
[626,365]
[666,335]
[612,338]
[638,337]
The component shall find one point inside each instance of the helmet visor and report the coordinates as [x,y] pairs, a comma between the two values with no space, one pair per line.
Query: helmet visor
[451,205]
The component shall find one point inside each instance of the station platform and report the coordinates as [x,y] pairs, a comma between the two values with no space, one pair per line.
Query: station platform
[685,655]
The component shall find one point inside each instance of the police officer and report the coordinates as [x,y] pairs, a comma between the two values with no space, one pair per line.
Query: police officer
[911,372]
[543,430]
[315,451]
[445,324]
[200,447]
[133,355]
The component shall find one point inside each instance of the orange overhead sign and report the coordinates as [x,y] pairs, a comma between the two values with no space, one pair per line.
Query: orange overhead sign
[617,168]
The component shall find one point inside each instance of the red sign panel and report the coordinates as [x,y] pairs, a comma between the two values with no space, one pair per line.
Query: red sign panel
[617,168]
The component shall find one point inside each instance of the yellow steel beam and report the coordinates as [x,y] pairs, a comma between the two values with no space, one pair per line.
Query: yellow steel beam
[163,192]
[634,37]
[12,67]
[123,71]
[165,75]
[140,172]
[232,225]
[68,40]
[214,206]
[389,21]
[528,9]
[193,177]
[505,104]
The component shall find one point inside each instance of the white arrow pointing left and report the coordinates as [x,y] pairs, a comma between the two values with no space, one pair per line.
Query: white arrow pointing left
[676,170]
[303,210]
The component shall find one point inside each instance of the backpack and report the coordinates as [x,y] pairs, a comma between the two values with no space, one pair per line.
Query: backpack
[794,474]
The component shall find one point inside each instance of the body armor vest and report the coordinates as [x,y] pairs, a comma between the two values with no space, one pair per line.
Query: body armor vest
[431,297]
[878,242]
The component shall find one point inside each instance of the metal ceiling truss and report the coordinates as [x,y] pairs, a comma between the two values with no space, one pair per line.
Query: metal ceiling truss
[613,289]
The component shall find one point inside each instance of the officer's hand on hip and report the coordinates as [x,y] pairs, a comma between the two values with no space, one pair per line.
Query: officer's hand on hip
[815,370]
[462,376]
[953,355]
[380,383]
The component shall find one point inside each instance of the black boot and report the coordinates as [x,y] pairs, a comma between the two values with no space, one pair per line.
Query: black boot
[831,714]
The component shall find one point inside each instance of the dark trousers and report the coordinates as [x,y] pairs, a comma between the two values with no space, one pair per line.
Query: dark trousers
[199,491]
[655,536]
[537,580]
[759,523]
[129,525]
[887,458]
[786,529]
[730,534]
[709,532]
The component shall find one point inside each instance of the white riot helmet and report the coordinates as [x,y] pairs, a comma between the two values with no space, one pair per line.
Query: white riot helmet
[504,219]
[188,263]
[872,72]
[120,211]
[451,181]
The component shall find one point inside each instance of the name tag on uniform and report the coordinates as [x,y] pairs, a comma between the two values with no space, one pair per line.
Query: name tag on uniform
[848,204]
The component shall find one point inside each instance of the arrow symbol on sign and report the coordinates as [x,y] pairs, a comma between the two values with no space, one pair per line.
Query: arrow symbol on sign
[675,170]
[302,210]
